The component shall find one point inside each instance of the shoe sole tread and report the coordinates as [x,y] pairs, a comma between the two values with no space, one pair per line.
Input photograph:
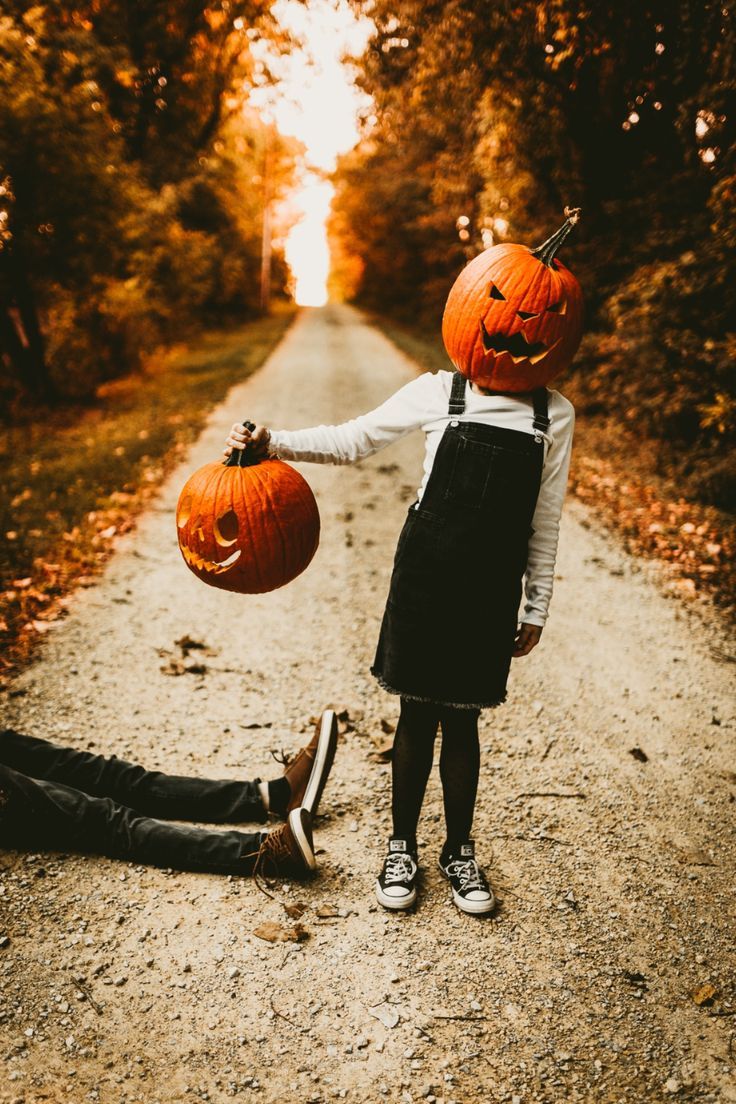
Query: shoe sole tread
[323,760]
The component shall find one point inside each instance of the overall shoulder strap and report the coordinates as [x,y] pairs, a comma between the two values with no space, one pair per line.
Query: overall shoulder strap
[540,398]
[457,395]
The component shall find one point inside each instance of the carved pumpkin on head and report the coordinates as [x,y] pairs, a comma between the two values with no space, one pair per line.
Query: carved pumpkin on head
[513,318]
[248,526]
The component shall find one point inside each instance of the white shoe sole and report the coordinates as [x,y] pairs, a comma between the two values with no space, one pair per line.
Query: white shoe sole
[474,908]
[395,902]
[302,842]
[326,747]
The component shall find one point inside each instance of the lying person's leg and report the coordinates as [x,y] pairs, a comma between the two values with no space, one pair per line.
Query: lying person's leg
[170,796]
[178,797]
[42,814]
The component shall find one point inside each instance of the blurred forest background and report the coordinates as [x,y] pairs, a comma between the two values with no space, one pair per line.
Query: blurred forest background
[133,180]
[489,117]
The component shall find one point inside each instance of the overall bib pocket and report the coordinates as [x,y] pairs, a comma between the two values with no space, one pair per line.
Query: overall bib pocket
[484,475]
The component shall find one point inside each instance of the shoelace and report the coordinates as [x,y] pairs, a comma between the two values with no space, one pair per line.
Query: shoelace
[271,849]
[282,757]
[469,874]
[399,868]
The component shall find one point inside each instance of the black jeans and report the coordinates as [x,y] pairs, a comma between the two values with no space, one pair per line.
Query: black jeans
[56,798]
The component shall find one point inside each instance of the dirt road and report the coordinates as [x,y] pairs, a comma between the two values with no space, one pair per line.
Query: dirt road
[616,875]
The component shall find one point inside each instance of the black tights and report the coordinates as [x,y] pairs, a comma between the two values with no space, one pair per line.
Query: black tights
[412,762]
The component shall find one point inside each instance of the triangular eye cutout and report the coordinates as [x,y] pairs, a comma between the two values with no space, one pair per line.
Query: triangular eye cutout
[495,293]
[559,307]
[524,315]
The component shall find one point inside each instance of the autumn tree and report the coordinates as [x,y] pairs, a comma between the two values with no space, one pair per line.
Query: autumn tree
[130,202]
[490,116]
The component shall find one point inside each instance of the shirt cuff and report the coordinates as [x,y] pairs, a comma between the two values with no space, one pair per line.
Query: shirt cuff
[534,617]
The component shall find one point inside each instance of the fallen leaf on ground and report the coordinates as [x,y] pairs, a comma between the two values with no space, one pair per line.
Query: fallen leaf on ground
[704,994]
[386,1013]
[189,644]
[344,722]
[296,910]
[274,932]
[38,595]
[173,667]
[382,754]
[177,667]
[51,614]
[327,912]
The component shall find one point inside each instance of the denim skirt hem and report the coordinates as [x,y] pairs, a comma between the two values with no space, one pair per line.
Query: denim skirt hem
[420,698]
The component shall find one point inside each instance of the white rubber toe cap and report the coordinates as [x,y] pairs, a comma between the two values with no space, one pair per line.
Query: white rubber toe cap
[395,897]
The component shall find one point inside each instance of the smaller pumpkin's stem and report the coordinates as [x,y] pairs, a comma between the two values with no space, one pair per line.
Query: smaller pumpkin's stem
[242,458]
[547,250]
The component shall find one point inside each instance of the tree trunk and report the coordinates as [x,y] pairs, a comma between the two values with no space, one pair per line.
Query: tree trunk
[20,330]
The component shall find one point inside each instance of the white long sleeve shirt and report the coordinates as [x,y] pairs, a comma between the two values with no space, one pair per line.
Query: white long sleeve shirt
[422,404]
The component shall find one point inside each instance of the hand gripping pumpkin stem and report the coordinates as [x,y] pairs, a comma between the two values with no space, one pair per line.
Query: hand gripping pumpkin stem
[547,250]
[242,458]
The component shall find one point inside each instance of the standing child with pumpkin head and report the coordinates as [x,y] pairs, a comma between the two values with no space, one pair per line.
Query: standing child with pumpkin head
[486,516]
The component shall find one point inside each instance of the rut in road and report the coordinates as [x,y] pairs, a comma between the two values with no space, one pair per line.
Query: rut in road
[616,875]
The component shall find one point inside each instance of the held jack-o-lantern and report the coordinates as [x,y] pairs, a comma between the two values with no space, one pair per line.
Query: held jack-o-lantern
[513,318]
[247,525]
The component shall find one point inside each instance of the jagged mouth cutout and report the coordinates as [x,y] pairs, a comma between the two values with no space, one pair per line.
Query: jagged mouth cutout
[212,568]
[516,344]
[225,532]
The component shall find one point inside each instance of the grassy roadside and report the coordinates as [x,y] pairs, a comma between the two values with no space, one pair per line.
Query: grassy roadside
[615,473]
[72,480]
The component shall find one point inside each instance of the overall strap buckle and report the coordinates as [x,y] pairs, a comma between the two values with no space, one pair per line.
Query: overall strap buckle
[457,395]
[541,422]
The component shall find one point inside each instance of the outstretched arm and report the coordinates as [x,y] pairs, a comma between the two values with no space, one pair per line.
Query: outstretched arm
[407,409]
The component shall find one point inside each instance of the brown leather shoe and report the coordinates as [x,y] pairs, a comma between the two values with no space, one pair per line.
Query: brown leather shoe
[288,851]
[308,770]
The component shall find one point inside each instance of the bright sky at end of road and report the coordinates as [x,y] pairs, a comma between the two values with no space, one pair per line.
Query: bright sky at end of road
[307,250]
[315,101]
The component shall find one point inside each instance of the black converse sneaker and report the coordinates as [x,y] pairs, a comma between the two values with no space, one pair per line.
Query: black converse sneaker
[396,884]
[470,889]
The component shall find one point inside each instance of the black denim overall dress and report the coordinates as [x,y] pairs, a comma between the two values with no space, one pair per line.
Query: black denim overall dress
[451,615]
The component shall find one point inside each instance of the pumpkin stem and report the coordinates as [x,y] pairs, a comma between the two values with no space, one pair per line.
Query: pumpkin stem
[547,250]
[242,458]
